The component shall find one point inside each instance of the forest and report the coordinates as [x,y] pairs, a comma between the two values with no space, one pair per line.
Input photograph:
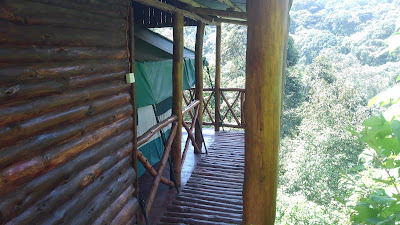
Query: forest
[339,156]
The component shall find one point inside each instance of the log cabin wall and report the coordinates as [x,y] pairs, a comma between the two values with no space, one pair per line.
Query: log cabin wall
[65,113]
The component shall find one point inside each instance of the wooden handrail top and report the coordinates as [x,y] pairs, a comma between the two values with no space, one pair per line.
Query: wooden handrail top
[224,89]
[233,89]
[154,129]
[190,106]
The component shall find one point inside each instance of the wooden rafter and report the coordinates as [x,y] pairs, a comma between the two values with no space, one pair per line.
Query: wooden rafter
[238,22]
[172,9]
[221,13]
[230,4]
[193,3]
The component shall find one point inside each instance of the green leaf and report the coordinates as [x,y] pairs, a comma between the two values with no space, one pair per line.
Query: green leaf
[398,78]
[373,121]
[382,200]
[388,145]
[396,128]
[383,181]
[389,163]
[363,212]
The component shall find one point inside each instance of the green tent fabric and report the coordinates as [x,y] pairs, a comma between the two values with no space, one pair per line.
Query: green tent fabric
[154,80]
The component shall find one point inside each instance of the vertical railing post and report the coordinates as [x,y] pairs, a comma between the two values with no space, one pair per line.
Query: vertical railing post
[217,79]
[177,93]
[199,81]
[242,99]
[266,50]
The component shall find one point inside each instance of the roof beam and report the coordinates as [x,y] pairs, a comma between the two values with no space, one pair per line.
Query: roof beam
[231,5]
[193,3]
[221,13]
[173,9]
[238,22]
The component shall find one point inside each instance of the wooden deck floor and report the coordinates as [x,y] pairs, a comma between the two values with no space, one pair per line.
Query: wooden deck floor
[213,194]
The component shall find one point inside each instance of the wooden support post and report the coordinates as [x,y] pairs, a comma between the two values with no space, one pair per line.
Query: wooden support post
[199,81]
[177,92]
[218,79]
[266,41]
[131,44]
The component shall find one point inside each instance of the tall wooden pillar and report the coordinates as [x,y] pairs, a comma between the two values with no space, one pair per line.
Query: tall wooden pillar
[199,81]
[217,78]
[177,92]
[266,41]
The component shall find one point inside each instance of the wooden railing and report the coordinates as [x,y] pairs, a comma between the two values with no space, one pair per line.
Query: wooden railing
[189,126]
[194,110]
[167,148]
[231,109]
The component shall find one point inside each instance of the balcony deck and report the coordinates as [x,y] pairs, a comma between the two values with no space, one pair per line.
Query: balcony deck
[212,184]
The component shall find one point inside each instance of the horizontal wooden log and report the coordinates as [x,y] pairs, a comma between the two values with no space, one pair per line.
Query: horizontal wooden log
[12,73]
[190,106]
[59,36]
[149,168]
[216,193]
[172,9]
[28,90]
[209,203]
[207,207]
[18,201]
[38,144]
[224,89]
[84,81]
[213,187]
[155,129]
[221,13]
[126,213]
[111,180]
[112,211]
[179,220]
[233,89]
[227,168]
[66,191]
[22,172]
[205,217]
[101,201]
[216,173]
[132,221]
[222,198]
[10,114]
[28,128]
[225,125]
[186,209]
[217,178]
[223,184]
[110,8]
[34,53]
[33,13]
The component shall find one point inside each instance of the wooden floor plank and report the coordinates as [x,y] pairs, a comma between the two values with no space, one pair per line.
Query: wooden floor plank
[213,193]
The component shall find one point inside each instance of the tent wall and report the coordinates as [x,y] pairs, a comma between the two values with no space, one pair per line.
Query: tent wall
[154,87]
[154,80]
[65,113]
